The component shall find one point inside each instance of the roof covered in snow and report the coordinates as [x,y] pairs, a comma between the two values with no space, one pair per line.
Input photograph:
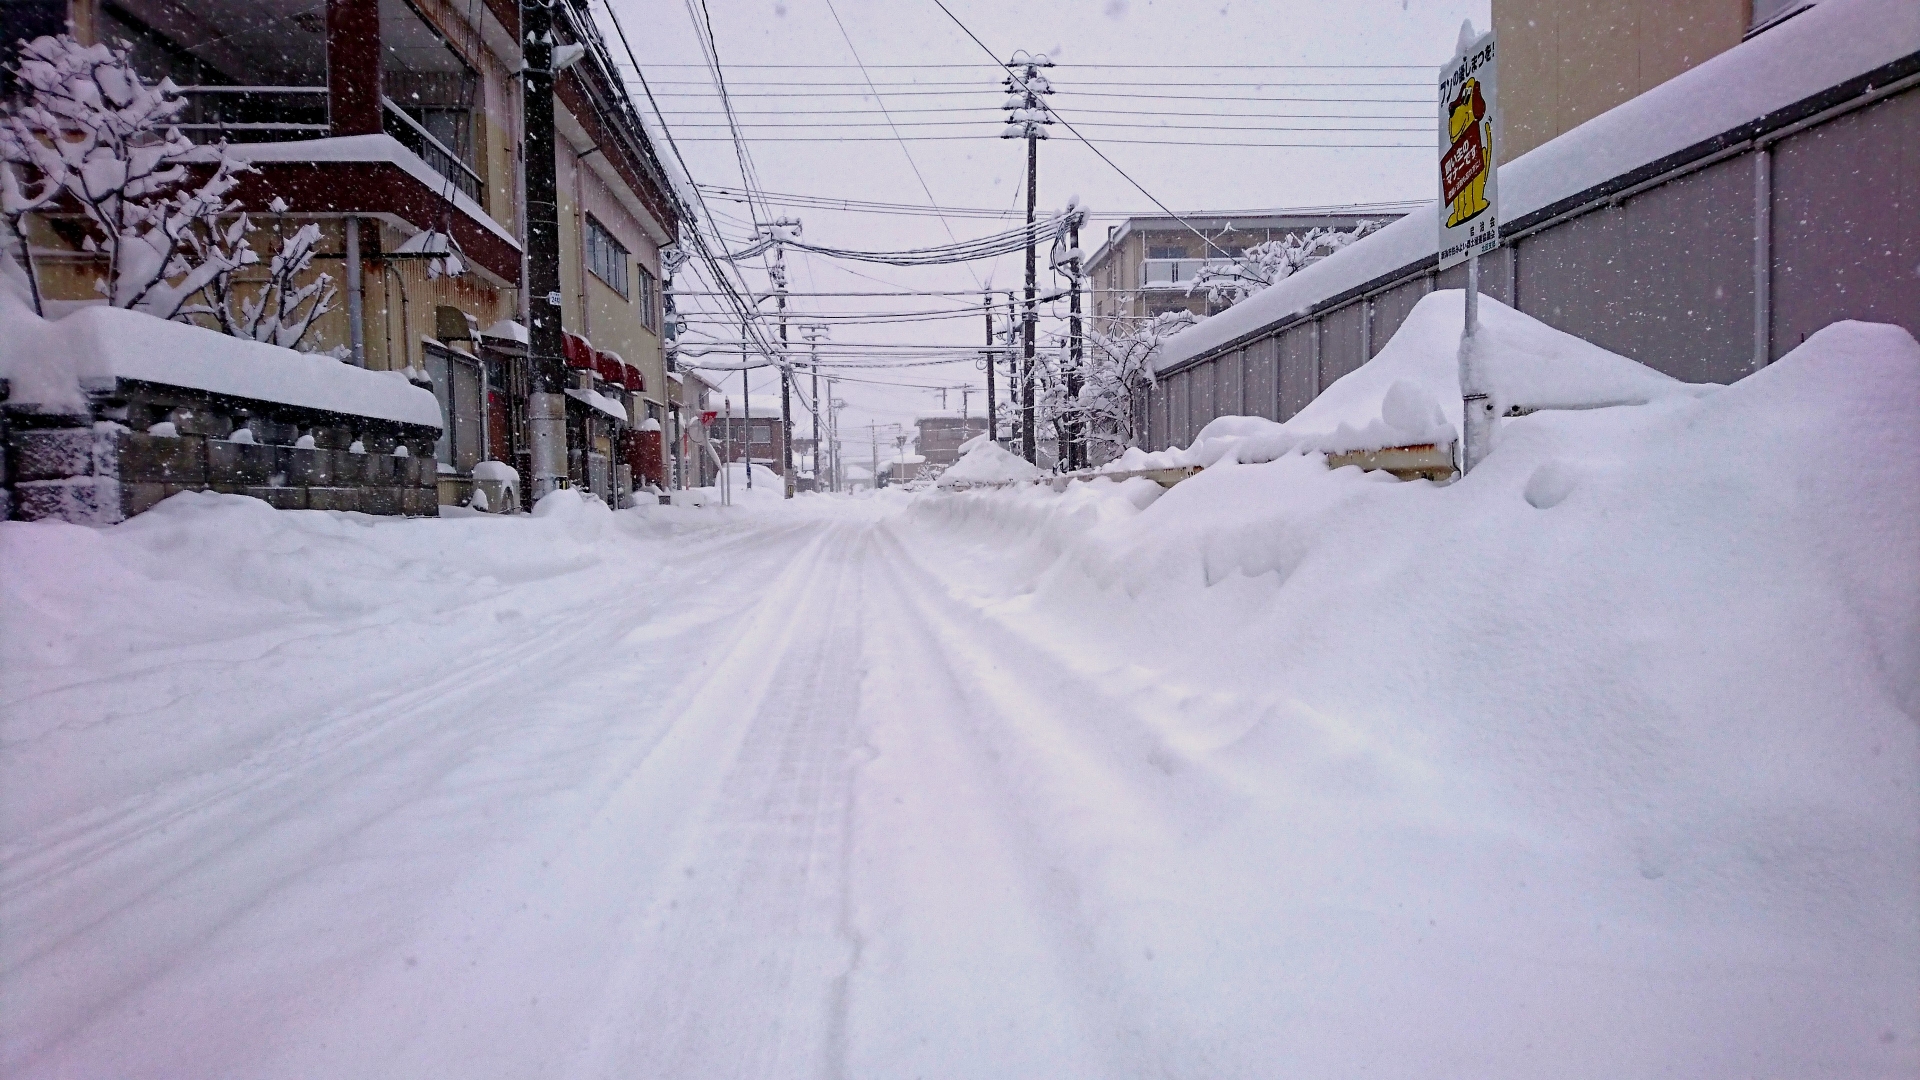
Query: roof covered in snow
[1830,44]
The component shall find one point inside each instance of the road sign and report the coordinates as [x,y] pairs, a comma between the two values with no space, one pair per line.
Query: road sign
[1469,157]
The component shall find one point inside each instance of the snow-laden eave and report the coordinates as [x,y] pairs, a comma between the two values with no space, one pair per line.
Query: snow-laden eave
[1834,54]
[378,149]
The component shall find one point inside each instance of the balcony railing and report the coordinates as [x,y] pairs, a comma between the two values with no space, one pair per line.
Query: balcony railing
[1175,273]
[431,150]
[253,113]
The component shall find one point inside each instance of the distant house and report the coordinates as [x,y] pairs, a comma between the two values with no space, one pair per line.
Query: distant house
[752,433]
[938,438]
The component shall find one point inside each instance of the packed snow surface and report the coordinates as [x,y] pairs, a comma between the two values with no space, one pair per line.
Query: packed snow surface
[1601,762]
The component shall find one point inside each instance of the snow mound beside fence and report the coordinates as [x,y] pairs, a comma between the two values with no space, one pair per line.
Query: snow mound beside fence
[1625,715]
[1409,394]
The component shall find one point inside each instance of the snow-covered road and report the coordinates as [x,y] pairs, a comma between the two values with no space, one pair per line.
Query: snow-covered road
[568,831]
[1221,782]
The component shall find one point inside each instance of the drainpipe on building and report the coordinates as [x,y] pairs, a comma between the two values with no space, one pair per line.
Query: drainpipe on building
[356,297]
[546,398]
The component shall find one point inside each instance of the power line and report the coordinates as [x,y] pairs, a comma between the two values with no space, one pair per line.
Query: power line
[1110,142]
[798,87]
[931,201]
[968,110]
[996,64]
[836,202]
[1210,98]
[846,126]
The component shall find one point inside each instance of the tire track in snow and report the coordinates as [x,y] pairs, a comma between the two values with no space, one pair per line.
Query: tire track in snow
[246,839]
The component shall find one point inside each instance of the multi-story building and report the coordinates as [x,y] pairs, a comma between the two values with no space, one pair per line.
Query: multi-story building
[1146,264]
[396,125]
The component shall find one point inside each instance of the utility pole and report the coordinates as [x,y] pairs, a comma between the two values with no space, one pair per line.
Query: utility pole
[779,274]
[746,415]
[1076,427]
[813,332]
[1029,120]
[546,385]
[1013,364]
[993,410]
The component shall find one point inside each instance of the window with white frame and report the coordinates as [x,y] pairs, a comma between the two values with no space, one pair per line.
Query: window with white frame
[649,304]
[606,258]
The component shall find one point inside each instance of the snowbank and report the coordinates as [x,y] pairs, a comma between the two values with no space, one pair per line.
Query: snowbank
[1599,762]
[767,485]
[1833,42]
[1409,394]
[987,462]
[50,362]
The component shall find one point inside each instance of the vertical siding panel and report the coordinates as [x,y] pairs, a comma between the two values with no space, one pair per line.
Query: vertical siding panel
[1340,344]
[1296,369]
[1846,222]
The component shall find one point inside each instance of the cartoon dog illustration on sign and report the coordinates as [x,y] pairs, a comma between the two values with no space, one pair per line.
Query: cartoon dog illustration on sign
[1463,171]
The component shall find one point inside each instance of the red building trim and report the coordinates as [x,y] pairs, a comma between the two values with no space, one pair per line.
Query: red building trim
[353,66]
[366,188]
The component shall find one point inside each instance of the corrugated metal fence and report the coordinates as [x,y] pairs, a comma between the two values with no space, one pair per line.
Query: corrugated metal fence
[1705,265]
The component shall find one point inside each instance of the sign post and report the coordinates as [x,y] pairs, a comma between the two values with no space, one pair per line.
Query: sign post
[1469,216]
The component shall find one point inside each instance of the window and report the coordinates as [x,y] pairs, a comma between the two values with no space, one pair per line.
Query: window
[649,311]
[606,258]
[1166,251]
[457,385]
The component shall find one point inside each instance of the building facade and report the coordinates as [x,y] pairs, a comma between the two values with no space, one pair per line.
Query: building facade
[1146,264]
[396,126]
[938,438]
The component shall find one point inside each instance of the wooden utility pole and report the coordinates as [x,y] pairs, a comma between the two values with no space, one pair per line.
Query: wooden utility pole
[547,366]
[993,410]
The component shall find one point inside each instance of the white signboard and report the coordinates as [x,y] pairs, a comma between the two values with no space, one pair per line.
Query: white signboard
[1469,173]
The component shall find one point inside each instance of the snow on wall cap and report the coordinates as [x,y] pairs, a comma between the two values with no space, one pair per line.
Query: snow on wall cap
[508,330]
[1830,43]
[496,470]
[97,344]
[599,402]
[649,424]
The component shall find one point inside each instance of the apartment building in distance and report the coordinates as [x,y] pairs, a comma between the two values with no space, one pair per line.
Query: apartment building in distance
[1145,265]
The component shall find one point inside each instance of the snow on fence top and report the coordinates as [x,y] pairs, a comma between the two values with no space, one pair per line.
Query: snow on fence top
[369,148]
[1830,44]
[47,362]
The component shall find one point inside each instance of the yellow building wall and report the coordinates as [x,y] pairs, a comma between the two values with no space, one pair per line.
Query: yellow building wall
[591,307]
[1563,62]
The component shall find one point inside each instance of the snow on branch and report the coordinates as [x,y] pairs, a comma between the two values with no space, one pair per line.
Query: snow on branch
[1265,264]
[90,130]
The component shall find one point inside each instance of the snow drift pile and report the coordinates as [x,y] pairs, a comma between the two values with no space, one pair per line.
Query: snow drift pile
[1409,394]
[984,462]
[1602,760]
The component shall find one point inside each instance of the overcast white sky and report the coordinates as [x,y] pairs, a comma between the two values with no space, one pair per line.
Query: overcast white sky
[949,83]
